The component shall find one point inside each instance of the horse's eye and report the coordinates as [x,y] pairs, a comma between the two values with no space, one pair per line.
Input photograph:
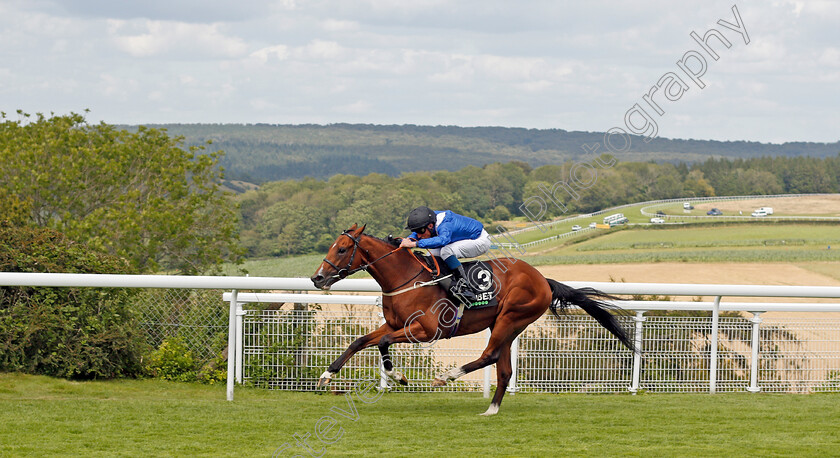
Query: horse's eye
[342,250]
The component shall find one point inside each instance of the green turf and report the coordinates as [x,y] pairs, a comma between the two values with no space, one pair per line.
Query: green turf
[720,242]
[48,417]
[292,266]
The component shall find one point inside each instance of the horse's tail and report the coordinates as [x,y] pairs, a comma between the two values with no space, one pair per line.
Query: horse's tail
[563,296]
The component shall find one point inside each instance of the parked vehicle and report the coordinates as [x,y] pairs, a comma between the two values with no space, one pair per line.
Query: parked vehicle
[576,227]
[657,220]
[714,212]
[768,210]
[759,213]
[616,219]
[688,206]
[593,224]
[660,213]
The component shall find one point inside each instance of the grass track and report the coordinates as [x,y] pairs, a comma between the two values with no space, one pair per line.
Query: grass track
[44,416]
[727,242]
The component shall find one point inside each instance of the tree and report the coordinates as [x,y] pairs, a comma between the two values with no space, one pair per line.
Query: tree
[696,185]
[138,195]
[65,332]
[13,212]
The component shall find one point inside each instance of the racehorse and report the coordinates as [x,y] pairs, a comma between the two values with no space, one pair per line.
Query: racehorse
[409,305]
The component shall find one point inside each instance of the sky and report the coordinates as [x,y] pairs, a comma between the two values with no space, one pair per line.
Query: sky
[572,65]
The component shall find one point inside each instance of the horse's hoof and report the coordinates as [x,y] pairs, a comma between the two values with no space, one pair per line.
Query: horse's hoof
[438,382]
[492,410]
[397,377]
[325,379]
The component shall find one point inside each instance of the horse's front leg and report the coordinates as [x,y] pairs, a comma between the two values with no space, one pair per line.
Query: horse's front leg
[359,344]
[413,332]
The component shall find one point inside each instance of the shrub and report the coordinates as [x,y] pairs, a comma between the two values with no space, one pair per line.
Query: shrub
[64,332]
[172,361]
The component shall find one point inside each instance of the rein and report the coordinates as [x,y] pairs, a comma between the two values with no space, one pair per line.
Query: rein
[343,272]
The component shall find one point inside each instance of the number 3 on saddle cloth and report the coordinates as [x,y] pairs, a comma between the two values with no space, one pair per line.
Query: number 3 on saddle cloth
[479,275]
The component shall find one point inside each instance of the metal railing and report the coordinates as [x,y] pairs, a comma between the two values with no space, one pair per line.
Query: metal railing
[682,353]
[288,349]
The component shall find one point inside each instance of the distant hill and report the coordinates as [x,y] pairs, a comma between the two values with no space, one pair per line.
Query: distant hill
[258,153]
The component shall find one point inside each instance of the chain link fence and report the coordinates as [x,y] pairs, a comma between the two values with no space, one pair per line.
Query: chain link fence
[196,317]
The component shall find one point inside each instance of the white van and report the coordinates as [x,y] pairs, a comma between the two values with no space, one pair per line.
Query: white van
[759,212]
[767,210]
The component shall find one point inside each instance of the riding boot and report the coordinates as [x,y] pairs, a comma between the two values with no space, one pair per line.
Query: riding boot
[461,285]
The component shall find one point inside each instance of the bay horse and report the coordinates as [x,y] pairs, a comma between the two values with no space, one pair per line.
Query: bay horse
[410,307]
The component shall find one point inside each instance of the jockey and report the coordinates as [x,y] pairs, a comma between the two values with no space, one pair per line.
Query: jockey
[450,236]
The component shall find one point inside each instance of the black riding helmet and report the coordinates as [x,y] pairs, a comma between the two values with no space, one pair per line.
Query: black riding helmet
[420,217]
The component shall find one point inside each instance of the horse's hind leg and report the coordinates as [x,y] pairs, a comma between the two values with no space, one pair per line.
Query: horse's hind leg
[509,324]
[500,339]
[504,370]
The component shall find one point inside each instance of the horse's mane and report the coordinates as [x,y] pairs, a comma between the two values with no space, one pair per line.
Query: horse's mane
[390,240]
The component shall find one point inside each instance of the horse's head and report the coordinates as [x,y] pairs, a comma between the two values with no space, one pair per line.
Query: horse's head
[342,259]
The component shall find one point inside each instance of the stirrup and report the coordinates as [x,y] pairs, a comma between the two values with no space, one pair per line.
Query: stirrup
[460,288]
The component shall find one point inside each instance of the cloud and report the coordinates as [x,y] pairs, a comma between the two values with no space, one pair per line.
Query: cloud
[279,52]
[830,57]
[536,63]
[149,38]
[320,50]
[193,11]
[335,25]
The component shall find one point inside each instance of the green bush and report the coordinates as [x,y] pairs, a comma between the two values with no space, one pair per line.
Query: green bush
[65,332]
[174,361]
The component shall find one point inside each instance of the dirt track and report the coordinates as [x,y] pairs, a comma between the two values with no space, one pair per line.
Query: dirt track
[678,272]
[819,274]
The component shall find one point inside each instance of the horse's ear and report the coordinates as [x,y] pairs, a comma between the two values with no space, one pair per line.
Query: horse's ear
[352,228]
[362,229]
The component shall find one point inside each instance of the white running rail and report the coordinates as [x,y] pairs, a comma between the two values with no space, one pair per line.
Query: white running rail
[716,292]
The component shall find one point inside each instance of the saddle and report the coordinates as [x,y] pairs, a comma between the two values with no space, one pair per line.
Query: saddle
[479,273]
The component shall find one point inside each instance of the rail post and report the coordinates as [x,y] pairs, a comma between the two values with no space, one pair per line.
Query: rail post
[514,363]
[637,356]
[486,384]
[713,357]
[240,342]
[756,334]
[383,377]
[231,365]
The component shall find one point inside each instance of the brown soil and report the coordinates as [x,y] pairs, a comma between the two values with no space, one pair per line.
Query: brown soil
[813,274]
[807,206]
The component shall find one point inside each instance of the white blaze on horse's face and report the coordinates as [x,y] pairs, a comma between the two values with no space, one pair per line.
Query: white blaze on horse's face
[320,272]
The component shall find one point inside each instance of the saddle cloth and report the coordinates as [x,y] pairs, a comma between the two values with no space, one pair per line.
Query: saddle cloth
[480,275]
